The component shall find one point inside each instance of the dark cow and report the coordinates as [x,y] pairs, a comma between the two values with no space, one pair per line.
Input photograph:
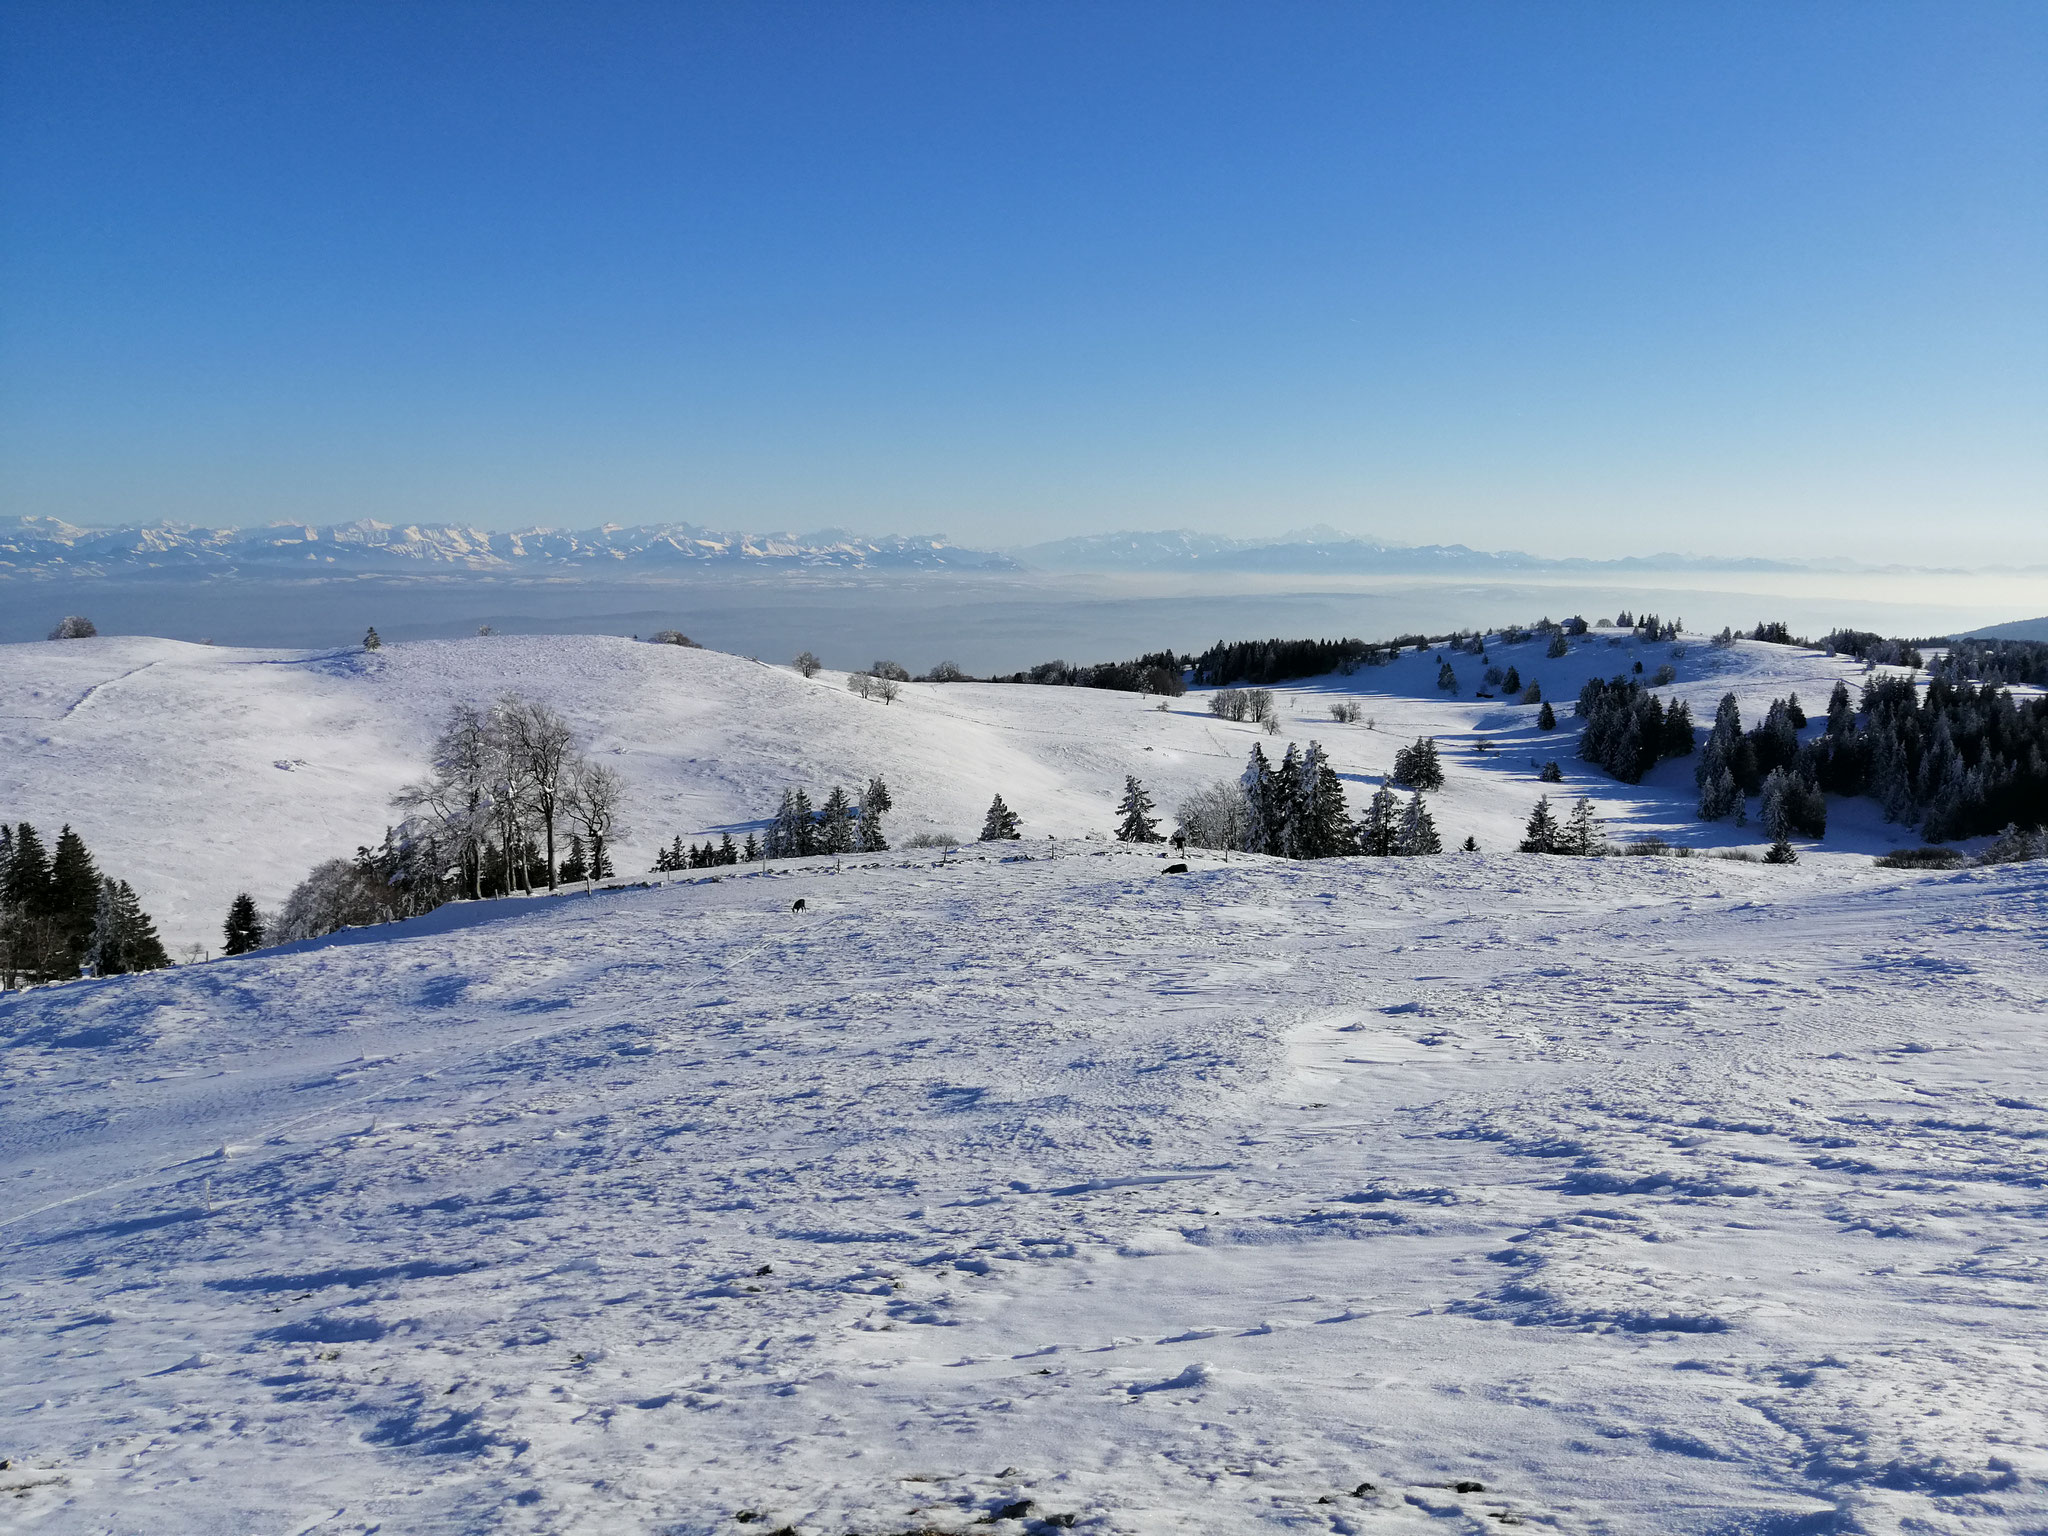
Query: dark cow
[797,905]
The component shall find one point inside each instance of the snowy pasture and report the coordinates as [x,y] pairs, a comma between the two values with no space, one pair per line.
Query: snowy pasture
[195,772]
[1042,1188]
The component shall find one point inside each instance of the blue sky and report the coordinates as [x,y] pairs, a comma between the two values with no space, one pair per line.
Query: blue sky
[1581,279]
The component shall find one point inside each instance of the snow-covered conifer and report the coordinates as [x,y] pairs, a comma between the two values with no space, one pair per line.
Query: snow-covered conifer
[1418,834]
[370,641]
[1379,828]
[1138,824]
[243,930]
[835,823]
[1581,835]
[1001,824]
[1446,678]
[1261,808]
[1547,720]
[874,805]
[1541,834]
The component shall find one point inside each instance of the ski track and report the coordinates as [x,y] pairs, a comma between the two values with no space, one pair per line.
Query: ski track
[1650,1195]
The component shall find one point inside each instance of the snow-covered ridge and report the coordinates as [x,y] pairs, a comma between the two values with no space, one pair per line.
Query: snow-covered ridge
[196,772]
[45,546]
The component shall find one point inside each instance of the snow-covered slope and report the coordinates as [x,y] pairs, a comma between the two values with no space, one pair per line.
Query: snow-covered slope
[1602,1197]
[195,771]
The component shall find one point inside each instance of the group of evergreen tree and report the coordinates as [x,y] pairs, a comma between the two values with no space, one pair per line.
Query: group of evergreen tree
[1578,836]
[841,825]
[1649,627]
[1735,764]
[1873,649]
[1628,728]
[1296,810]
[1963,759]
[1418,766]
[1999,662]
[1159,672]
[706,855]
[61,917]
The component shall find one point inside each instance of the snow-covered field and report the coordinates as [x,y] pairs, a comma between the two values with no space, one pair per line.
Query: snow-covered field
[1616,1196]
[195,772]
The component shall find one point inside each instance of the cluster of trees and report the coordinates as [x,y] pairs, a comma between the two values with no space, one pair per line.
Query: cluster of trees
[508,785]
[877,684]
[1296,810]
[1649,626]
[1873,649]
[841,825]
[1628,729]
[1769,760]
[1264,662]
[1241,703]
[1417,766]
[61,917]
[1999,662]
[74,626]
[1159,672]
[706,855]
[1578,835]
[1963,759]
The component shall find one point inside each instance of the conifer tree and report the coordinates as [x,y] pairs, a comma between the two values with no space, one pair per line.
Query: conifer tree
[1541,834]
[370,641]
[244,928]
[1138,824]
[1557,647]
[74,894]
[750,851]
[1446,679]
[1001,823]
[874,805]
[575,867]
[1512,683]
[1290,805]
[835,823]
[1418,834]
[1379,829]
[1324,824]
[1781,852]
[1470,845]
[1547,720]
[26,880]
[1261,809]
[727,853]
[123,939]
[1581,835]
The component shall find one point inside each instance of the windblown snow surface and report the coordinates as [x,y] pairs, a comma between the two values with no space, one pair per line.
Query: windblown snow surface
[1041,1187]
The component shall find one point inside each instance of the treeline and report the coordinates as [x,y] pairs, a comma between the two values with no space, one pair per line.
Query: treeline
[1159,672]
[2000,662]
[61,917]
[841,825]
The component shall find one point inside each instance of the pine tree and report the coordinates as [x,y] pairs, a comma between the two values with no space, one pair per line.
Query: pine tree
[1557,647]
[26,881]
[750,851]
[1138,824]
[874,805]
[1261,831]
[727,853]
[1541,834]
[1470,845]
[1547,720]
[1446,679]
[1289,804]
[1781,852]
[575,868]
[1512,683]
[1001,823]
[1324,829]
[74,894]
[835,823]
[1418,834]
[1581,834]
[123,939]
[370,641]
[244,928]
[1379,829]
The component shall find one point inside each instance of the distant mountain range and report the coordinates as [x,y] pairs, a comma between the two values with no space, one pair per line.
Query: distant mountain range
[1326,549]
[46,547]
[42,546]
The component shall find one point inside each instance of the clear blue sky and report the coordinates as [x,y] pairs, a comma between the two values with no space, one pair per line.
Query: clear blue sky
[1575,278]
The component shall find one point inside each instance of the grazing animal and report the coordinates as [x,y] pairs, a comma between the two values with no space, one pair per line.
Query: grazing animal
[797,905]
[1175,869]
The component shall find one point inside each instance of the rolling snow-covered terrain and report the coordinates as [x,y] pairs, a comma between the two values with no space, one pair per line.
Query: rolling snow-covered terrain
[195,771]
[1040,1185]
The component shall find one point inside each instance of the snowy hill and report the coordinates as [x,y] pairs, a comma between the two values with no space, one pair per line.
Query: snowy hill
[195,771]
[1374,1195]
